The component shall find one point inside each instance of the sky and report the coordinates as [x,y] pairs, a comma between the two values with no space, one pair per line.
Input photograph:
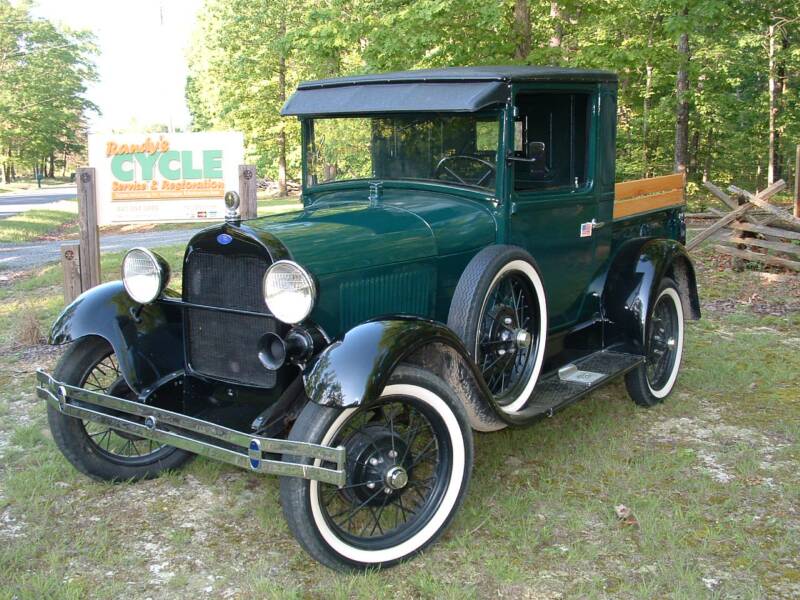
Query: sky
[142,57]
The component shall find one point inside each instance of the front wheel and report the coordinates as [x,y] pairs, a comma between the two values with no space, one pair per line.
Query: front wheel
[409,459]
[98,450]
[651,382]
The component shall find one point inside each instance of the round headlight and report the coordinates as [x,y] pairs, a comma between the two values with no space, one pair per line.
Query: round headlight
[145,275]
[289,291]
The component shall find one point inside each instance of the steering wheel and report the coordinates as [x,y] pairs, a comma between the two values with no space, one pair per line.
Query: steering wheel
[443,168]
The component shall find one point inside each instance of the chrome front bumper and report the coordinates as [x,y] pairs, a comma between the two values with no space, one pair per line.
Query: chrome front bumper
[194,435]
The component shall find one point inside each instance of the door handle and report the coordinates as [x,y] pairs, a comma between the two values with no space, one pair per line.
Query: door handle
[598,224]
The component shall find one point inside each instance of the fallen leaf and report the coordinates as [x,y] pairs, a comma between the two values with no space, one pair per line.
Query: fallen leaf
[625,515]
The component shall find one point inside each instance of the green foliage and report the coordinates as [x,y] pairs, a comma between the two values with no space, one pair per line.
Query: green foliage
[239,46]
[44,70]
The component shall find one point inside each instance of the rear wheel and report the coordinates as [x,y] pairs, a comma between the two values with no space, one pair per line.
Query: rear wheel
[653,381]
[499,311]
[98,450]
[409,458]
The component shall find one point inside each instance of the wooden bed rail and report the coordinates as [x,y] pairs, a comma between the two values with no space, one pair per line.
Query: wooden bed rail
[643,195]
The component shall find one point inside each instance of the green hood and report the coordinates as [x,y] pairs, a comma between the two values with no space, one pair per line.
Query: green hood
[341,232]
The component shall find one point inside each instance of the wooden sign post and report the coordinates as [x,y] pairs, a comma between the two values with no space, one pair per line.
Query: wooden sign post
[90,232]
[81,261]
[71,262]
[248,184]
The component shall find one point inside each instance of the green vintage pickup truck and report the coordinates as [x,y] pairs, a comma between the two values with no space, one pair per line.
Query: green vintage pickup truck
[463,261]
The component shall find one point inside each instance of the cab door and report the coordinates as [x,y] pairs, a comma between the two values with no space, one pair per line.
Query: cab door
[554,206]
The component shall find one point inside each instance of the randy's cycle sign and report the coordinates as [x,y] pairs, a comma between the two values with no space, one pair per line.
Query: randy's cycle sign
[164,176]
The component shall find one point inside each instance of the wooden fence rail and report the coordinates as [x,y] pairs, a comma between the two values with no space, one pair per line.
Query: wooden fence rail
[755,240]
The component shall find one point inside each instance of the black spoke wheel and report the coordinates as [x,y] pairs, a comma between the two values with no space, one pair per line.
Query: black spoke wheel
[653,381]
[499,310]
[94,449]
[117,446]
[398,463]
[409,457]
[662,343]
[505,343]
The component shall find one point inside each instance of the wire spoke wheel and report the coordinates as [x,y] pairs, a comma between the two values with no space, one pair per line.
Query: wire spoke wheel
[506,344]
[118,446]
[662,342]
[653,380]
[397,472]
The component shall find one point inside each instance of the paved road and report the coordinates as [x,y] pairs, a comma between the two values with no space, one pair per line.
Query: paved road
[17,202]
[25,256]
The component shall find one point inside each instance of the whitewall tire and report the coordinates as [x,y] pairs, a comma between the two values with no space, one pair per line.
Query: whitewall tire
[409,459]
[499,310]
[653,381]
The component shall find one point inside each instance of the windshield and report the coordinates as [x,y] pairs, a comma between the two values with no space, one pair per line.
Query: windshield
[459,149]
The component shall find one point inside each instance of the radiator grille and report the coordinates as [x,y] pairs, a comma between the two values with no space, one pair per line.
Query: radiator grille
[225,345]
[226,281]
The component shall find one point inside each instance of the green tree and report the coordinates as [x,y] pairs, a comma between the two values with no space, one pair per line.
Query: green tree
[699,88]
[43,75]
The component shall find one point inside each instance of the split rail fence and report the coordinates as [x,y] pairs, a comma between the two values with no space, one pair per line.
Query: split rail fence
[771,238]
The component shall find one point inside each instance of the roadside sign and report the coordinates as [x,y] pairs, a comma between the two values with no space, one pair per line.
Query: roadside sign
[164,177]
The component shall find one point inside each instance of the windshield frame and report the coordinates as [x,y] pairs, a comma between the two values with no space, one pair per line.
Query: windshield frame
[497,113]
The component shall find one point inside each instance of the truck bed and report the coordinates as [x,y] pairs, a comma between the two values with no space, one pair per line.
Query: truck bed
[640,196]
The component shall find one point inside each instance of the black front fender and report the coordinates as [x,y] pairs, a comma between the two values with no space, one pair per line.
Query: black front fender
[148,344]
[355,370]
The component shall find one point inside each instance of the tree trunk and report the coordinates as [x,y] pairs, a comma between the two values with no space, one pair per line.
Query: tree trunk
[52,166]
[522,29]
[694,149]
[282,133]
[64,170]
[773,108]
[780,104]
[558,25]
[682,93]
[648,90]
[707,162]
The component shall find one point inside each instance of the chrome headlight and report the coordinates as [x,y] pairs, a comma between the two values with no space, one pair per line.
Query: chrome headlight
[289,291]
[145,275]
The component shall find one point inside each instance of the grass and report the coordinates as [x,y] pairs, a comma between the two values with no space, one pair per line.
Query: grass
[37,224]
[711,477]
[29,183]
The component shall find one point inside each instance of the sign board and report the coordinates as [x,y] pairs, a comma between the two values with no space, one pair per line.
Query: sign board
[164,177]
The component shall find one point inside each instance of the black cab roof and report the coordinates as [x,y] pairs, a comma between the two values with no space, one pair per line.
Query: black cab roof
[453,89]
[468,74]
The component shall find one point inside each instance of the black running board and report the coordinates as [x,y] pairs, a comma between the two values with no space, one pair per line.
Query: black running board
[561,388]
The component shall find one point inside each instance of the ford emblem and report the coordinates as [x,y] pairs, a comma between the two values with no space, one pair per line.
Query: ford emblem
[224,239]
[254,454]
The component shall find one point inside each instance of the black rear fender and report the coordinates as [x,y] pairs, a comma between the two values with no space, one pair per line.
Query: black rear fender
[354,371]
[633,279]
[148,344]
